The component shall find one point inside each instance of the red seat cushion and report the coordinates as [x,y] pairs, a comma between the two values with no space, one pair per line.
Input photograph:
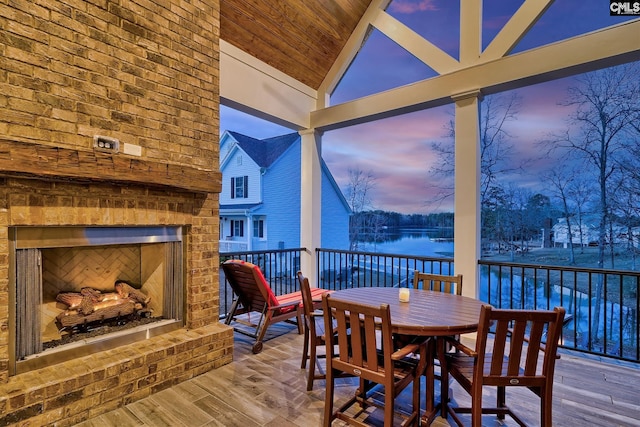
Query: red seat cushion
[276,300]
[316,295]
[289,298]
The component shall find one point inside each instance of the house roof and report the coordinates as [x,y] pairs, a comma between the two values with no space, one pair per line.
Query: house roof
[300,38]
[265,151]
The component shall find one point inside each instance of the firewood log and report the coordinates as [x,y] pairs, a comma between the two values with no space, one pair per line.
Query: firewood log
[94,294]
[86,306]
[127,291]
[70,299]
[70,319]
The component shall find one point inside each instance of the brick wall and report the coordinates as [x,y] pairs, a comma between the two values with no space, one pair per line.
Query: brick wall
[142,71]
[145,72]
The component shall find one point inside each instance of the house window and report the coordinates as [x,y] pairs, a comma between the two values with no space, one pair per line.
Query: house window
[240,187]
[237,228]
[258,228]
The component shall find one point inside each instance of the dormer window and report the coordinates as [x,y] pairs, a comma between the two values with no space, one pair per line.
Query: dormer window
[239,160]
[240,187]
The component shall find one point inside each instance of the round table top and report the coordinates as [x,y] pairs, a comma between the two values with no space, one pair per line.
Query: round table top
[428,313]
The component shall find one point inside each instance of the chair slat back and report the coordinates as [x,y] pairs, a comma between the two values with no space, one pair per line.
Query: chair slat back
[521,340]
[438,282]
[305,290]
[248,283]
[362,330]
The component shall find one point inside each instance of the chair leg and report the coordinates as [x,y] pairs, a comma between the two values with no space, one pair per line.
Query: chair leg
[476,406]
[232,312]
[389,400]
[545,408]
[444,377]
[312,367]
[501,401]
[305,348]
[265,321]
[328,400]
[416,396]
[299,321]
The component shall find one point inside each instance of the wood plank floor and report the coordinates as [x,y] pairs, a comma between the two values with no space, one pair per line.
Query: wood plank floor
[269,389]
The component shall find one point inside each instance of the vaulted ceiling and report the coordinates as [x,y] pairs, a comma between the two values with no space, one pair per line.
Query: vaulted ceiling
[301,38]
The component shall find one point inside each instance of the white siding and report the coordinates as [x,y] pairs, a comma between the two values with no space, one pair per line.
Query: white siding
[335,218]
[281,204]
[234,168]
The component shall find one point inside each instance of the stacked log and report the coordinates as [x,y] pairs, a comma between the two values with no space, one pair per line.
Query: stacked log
[91,305]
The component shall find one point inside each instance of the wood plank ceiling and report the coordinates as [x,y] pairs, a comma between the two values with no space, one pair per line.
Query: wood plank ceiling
[301,38]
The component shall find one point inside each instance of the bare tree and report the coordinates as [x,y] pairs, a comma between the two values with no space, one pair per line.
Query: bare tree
[560,180]
[496,150]
[581,191]
[631,187]
[604,103]
[358,194]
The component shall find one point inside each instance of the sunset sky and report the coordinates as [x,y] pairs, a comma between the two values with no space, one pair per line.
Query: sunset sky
[398,151]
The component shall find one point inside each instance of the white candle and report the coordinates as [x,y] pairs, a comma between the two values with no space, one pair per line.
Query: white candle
[404,294]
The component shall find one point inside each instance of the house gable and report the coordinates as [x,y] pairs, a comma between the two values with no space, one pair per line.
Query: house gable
[274,166]
[239,171]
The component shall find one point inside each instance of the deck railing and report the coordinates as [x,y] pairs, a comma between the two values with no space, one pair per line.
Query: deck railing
[602,305]
[352,269]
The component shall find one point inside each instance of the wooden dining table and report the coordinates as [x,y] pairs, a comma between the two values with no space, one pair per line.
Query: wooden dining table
[428,314]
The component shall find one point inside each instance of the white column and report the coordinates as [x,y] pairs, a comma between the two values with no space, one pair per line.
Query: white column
[310,201]
[467,190]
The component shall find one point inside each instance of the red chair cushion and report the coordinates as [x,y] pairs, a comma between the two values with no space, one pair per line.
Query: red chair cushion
[276,300]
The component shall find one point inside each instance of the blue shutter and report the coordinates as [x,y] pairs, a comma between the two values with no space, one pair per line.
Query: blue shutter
[246,186]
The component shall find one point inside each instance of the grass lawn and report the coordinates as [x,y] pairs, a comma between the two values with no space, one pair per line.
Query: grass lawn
[584,257]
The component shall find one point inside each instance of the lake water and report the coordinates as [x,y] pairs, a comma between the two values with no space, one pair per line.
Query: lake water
[417,242]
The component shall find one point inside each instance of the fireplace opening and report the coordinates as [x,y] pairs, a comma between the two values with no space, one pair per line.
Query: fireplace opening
[79,289]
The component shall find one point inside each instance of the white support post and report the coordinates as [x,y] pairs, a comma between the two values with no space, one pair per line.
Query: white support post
[310,201]
[467,193]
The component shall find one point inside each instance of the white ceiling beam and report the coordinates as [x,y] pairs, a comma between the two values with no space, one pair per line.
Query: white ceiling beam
[254,87]
[440,61]
[603,48]
[470,31]
[515,29]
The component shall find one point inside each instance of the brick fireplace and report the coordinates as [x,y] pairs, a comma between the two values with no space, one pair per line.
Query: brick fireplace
[109,120]
[66,390]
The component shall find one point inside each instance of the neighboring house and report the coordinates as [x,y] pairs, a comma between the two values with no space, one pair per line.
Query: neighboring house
[588,230]
[260,199]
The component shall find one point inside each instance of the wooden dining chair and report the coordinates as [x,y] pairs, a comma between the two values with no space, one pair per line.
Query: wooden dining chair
[517,355]
[365,349]
[438,282]
[451,284]
[314,336]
